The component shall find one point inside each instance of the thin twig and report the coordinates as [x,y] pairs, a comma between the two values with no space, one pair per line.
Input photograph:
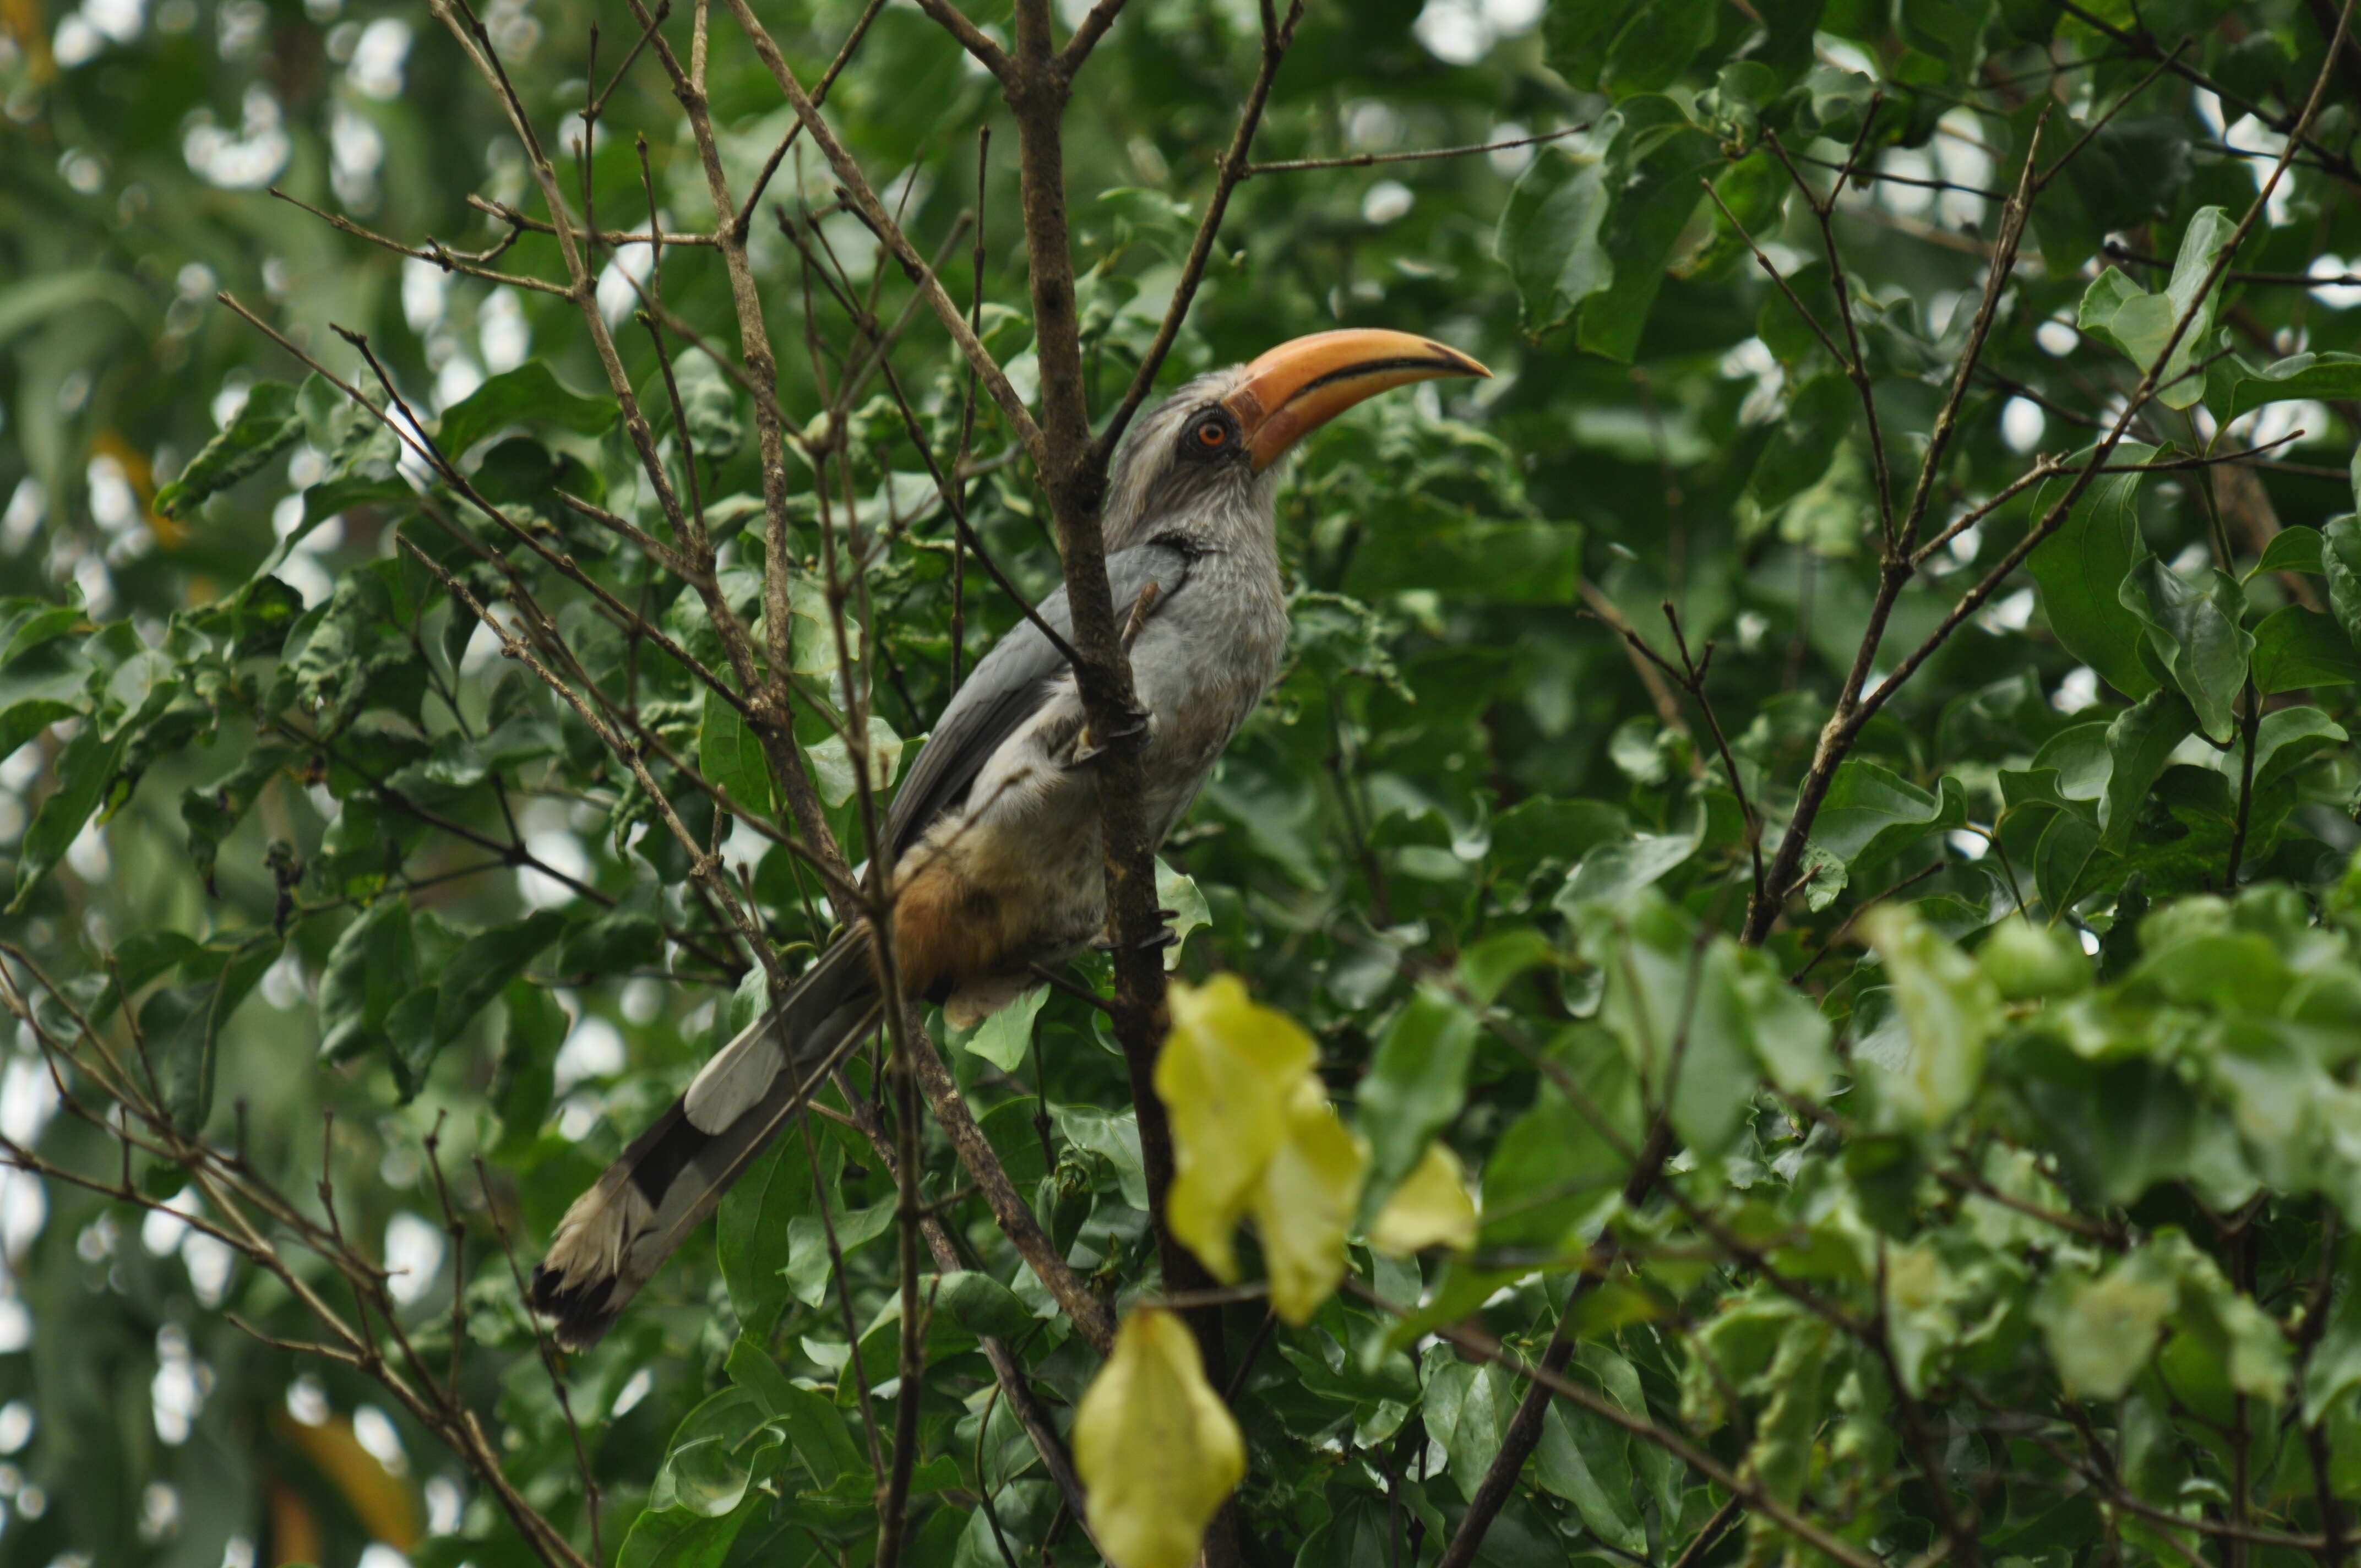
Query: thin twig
[1417,155]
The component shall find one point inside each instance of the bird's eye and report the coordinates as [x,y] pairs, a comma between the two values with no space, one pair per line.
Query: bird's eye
[1208,436]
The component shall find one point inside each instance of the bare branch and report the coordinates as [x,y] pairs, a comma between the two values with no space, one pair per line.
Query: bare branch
[1086,37]
[518,223]
[1276,38]
[819,97]
[863,198]
[1416,154]
[972,39]
[433,250]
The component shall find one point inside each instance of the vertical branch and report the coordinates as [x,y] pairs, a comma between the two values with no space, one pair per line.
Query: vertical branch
[1074,476]
[774,712]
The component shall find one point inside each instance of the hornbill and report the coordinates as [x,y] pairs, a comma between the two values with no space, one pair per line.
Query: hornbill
[998,863]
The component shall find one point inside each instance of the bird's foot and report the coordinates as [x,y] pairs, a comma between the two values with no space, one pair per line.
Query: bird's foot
[1089,747]
[1164,935]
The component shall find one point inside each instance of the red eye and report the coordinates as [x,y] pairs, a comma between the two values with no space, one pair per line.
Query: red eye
[1212,434]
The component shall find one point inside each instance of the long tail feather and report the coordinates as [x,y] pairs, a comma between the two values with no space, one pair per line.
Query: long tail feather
[617,1234]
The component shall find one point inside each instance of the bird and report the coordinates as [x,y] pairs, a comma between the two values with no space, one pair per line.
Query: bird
[998,863]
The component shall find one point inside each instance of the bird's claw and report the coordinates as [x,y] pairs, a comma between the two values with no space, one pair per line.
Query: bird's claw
[1089,748]
[1165,937]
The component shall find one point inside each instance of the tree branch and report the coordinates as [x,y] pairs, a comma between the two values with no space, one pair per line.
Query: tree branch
[1234,169]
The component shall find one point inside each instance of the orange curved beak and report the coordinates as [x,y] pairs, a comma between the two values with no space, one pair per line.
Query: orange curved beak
[1300,386]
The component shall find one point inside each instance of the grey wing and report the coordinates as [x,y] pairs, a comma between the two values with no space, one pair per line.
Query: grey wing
[1009,685]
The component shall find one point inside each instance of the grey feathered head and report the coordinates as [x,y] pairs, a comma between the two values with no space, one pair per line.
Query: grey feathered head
[1209,455]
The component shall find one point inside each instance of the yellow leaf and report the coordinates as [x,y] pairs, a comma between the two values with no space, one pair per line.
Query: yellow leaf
[1306,1198]
[1225,1075]
[1155,1448]
[1431,1208]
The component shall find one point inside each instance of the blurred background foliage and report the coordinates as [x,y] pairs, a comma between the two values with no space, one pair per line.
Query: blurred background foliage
[1461,728]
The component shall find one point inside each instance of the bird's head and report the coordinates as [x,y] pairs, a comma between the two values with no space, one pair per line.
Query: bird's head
[1210,453]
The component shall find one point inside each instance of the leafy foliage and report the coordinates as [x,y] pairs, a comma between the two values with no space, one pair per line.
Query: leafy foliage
[1878,1041]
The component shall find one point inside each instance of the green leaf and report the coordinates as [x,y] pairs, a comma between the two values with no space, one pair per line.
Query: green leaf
[614,942]
[267,425]
[213,811]
[980,1304]
[1004,1038]
[181,1028]
[1180,895]
[1655,44]
[1590,237]
[752,1232]
[2339,558]
[718,1456]
[2102,1330]
[1552,1163]
[711,404]
[2141,743]
[1872,815]
[1791,1036]
[42,627]
[835,777]
[1819,415]
[373,965]
[525,1080]
[2068,849]
[680,1537]
[486,963]
[1467,1412]
[1680,1009]
[2080,761]
[411,1042]
[2334,1369]
[2286,740]
[22,721]
[1416,1084]
[1577,37]
[731,757]
[818,1438]
[1621,867]
[144,957]
[1949,1008]
[86,769]
[2082,567]
[2028,961]
[1487,967]
[2298,649]
[1587,1460]
[1653,160]
[1781,1457]
[2193,633]
[172,1028]
[530,394]
[2116,311]
[2330,378]
[2294,549]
